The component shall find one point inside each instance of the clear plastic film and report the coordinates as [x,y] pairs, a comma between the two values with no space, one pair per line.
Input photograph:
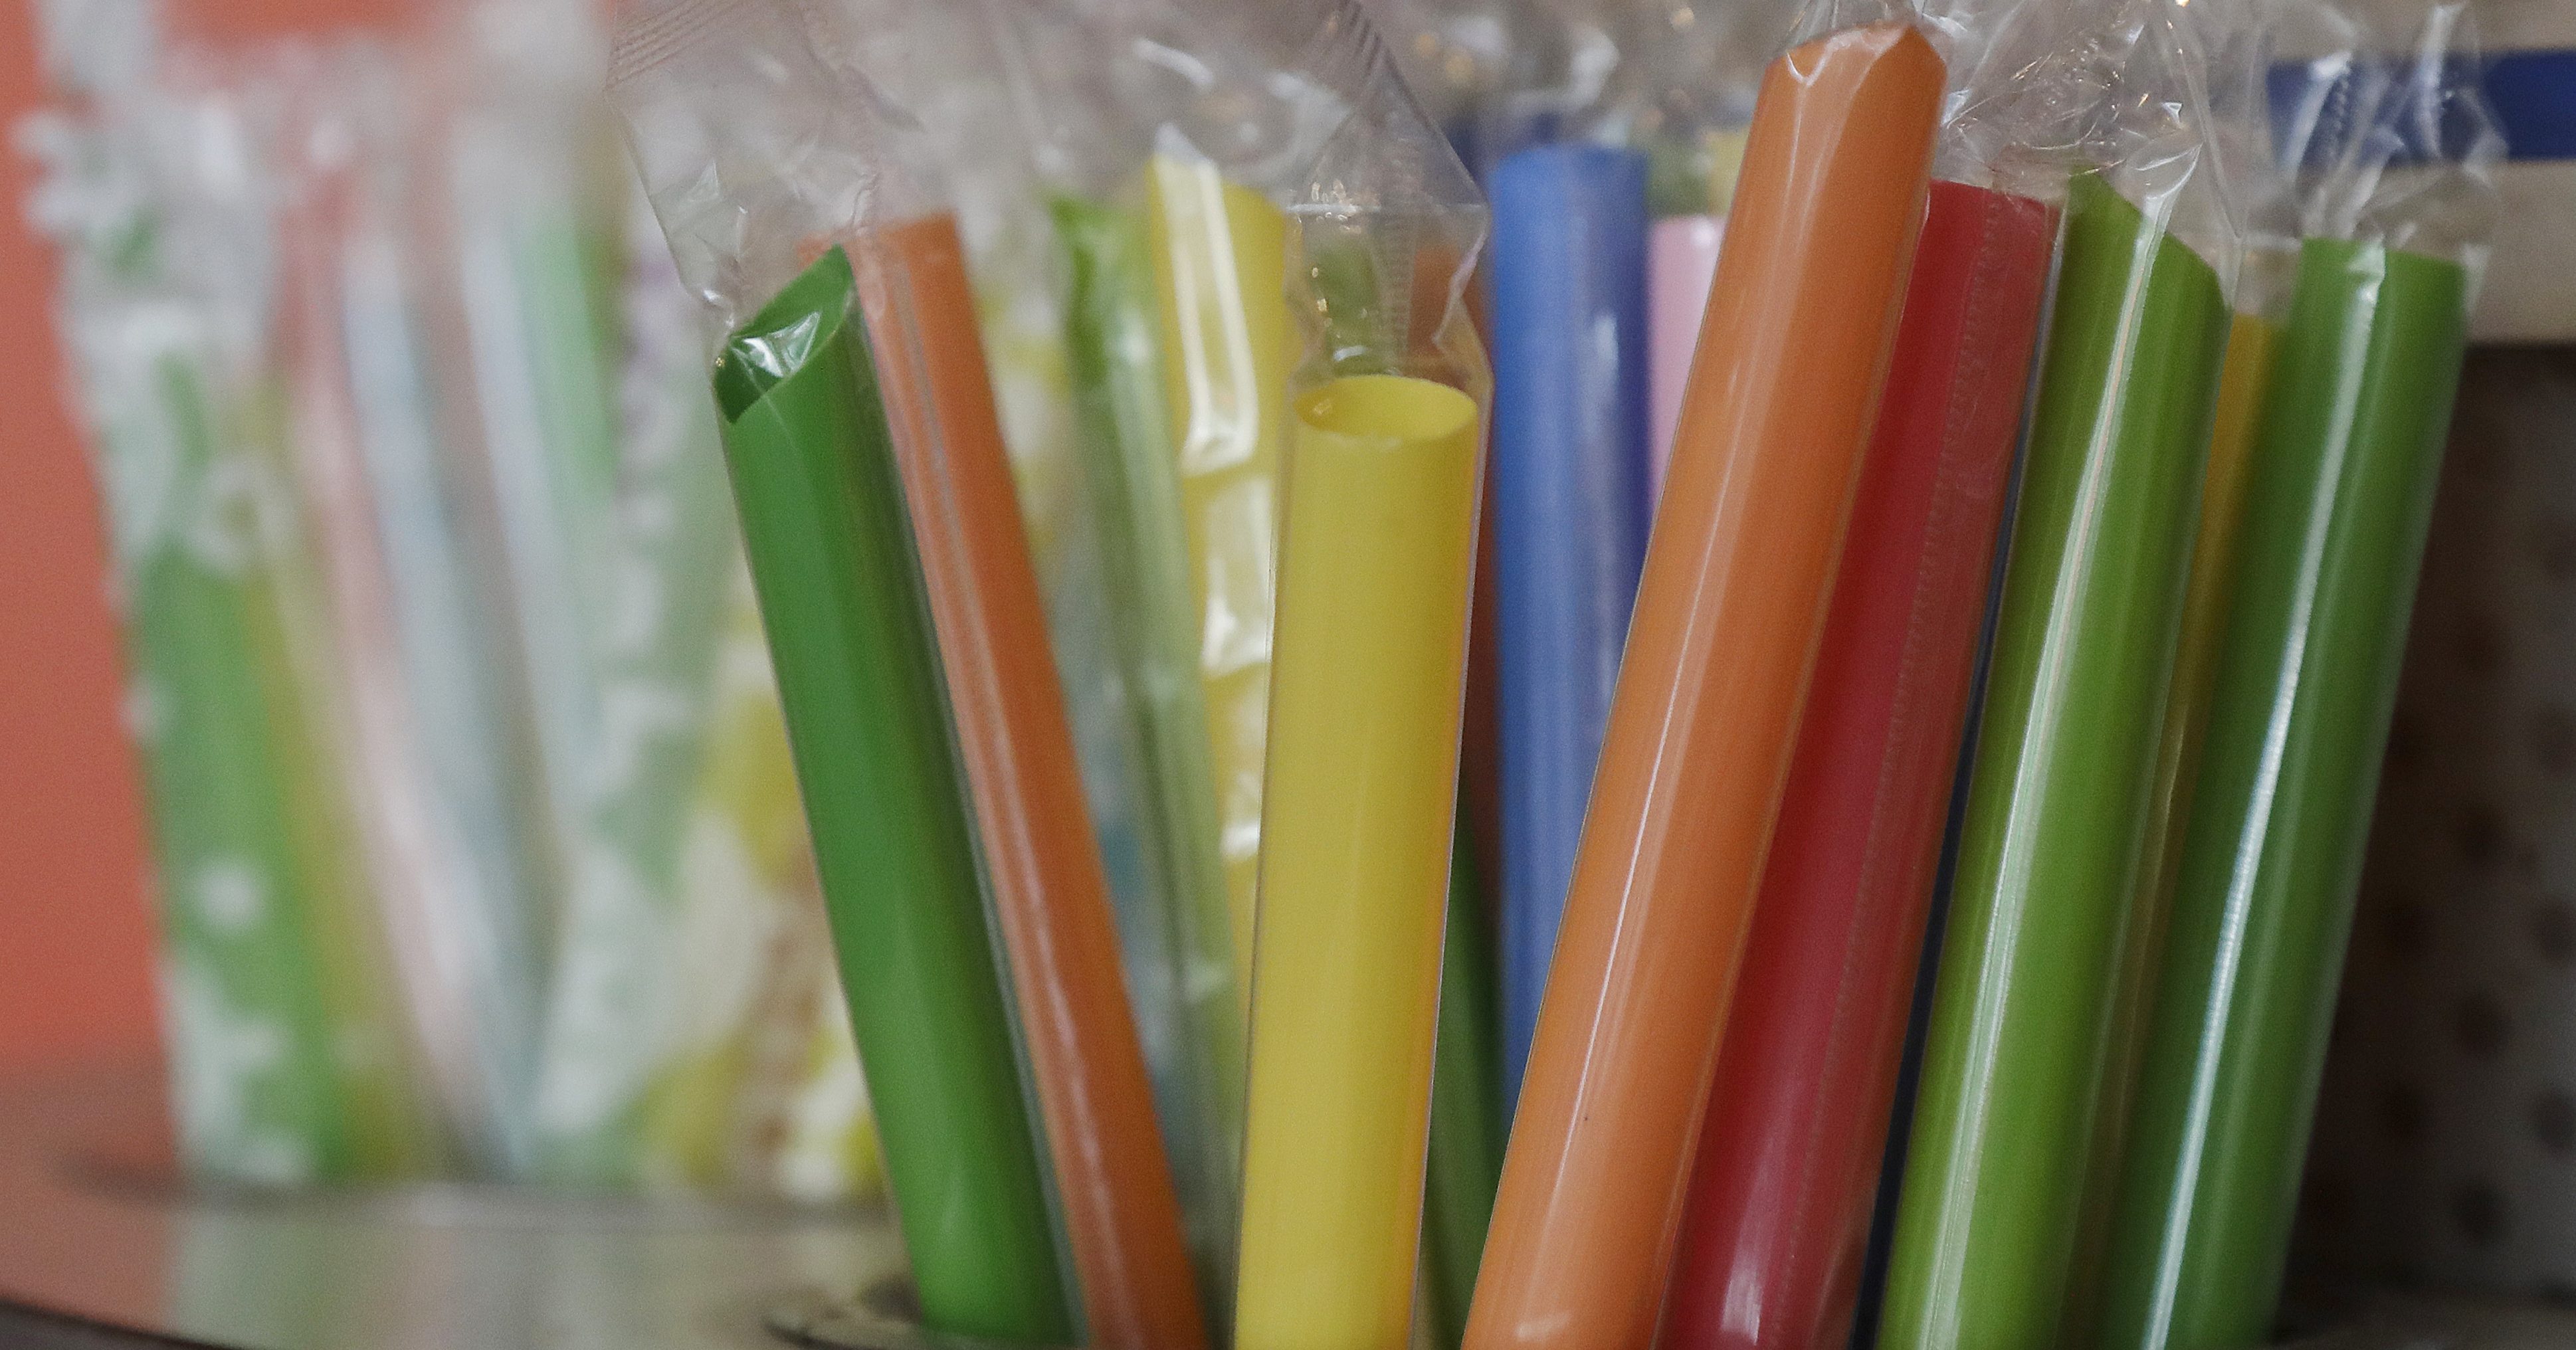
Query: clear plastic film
[288,1063]
[2397,183]
[1988,1247]
[1737,578]
[1376,564]
[760,156]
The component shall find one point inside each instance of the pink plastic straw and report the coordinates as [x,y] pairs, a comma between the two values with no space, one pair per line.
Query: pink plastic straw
[1679,267]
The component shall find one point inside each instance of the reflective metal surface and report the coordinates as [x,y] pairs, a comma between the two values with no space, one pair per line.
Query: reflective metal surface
[93,1227]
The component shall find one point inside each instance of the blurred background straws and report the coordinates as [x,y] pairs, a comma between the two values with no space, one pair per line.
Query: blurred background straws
[477,847]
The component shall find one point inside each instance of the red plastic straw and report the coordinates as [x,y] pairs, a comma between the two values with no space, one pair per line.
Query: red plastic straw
[1779,1207]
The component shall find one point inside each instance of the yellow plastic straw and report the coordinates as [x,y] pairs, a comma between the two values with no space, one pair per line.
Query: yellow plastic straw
[1220,260]
[1372,644]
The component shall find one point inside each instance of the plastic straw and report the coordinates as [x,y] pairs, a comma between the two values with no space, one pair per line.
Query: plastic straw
[2337,507]
[1050,894]
[1737,578]
[1372,653]
[831,556]
[1568,291]
[1789,1156]
[2211,592]
[1112,354]
[1220,253]
[2048,863]
[1681,262]
[1466,1157]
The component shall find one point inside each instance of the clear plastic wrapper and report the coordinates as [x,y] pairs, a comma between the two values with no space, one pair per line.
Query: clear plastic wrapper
[1988,1245]
[784,186]
[288,1063]
[1736,583]
[2399,198]
[941,64]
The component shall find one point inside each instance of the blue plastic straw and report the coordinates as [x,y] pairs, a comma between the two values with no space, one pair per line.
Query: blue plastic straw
[1571,507]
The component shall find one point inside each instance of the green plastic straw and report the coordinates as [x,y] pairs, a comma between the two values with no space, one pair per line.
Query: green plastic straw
[2337,510]
[1991,1207]
[858,673]
[1466,1158]
[255,1088]
[1113,347]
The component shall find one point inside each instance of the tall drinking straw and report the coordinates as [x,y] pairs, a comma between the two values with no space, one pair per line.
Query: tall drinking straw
[1050,894]
[822,508]
[1737,577]
[2048,862]
[1112,352]
[1568,285]
[1780,1202]
[2338,500]
[1358,827]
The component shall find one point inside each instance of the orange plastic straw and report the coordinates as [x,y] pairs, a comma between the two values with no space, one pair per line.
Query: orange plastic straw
[1791,358]
[1122,1219]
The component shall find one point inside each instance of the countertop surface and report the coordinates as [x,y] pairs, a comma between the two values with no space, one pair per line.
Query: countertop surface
[96,1238]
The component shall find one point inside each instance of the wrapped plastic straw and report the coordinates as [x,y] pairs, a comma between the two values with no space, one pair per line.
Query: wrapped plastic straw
[1988,1229]
[1171,141]
[1779,1212]
[2337,504]
[816,480]
[1568,281]
[940,63]
[1736,583]
[1376,563]
[2240,54]
[1043,865]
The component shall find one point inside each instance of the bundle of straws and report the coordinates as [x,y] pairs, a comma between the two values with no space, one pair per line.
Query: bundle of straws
[477,848]
[1867,780]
